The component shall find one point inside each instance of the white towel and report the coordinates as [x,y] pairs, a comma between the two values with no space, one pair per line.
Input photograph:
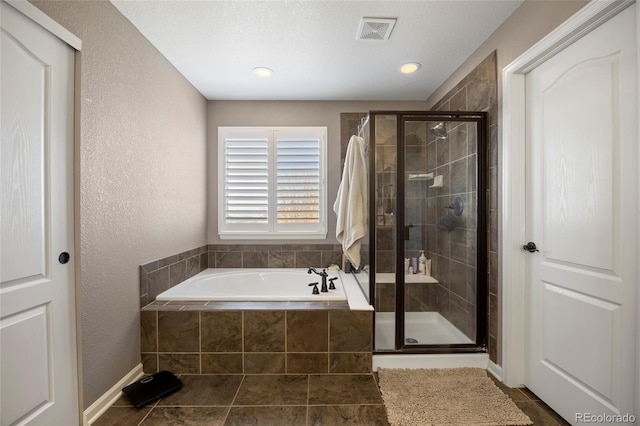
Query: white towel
[351,202]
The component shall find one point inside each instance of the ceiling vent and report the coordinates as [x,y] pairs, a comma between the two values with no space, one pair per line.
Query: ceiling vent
[375,29]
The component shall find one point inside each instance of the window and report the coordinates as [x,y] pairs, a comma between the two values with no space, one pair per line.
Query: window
[272,182]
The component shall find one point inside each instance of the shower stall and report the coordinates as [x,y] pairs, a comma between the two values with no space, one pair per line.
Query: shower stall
[427,247]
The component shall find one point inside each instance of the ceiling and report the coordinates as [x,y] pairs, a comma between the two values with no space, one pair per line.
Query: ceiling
[311,45]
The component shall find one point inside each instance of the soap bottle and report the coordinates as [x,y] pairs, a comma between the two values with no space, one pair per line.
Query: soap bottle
[422,267]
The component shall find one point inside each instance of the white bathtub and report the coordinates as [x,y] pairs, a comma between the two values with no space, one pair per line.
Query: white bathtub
[262,285]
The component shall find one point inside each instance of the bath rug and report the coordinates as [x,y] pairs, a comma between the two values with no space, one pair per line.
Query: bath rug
[447,396]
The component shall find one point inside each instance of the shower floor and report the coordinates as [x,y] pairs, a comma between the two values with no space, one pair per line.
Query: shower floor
[427,328]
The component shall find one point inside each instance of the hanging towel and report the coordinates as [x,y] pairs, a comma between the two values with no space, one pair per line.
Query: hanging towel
[351,202]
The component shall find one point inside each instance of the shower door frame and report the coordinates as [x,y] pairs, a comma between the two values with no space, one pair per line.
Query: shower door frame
[481,338]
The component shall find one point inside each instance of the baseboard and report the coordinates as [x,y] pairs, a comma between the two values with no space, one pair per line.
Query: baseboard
[495,370]
[101,405]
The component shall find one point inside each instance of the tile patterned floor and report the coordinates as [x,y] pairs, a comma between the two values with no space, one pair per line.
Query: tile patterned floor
[539,412]
[297,400]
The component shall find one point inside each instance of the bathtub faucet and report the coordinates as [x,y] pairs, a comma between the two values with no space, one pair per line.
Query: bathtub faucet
[324,276]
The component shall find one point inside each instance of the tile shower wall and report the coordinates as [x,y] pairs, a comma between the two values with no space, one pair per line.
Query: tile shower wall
[478,92]
[160,275]
[385,183]
[419,212]
[188,339]
[453,251]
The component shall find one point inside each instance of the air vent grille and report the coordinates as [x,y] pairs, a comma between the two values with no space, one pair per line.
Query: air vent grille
[375,29]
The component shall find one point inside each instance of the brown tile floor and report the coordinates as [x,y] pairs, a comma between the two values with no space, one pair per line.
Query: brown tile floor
[539,412]
[337,399]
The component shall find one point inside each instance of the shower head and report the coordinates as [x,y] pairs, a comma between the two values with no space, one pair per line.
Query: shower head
[439,131]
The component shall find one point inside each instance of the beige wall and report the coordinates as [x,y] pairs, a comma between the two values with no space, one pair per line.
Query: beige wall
[142,185]
[532,21]
[287,113]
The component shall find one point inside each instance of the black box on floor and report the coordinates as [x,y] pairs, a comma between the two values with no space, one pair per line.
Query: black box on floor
[152,387]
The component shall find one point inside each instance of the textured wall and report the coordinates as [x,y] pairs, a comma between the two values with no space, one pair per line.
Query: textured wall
[288,113]
[142,186]
[526,26]
[532,21]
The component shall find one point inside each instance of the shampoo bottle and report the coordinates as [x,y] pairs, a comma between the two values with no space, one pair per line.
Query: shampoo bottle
[422,267]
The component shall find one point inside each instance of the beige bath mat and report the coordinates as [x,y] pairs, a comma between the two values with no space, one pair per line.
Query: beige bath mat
[449,396]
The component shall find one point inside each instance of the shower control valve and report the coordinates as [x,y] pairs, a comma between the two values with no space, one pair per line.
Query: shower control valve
[315,288]
[332,285]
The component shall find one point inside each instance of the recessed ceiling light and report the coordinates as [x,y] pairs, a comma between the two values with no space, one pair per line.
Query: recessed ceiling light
[263,72]
[410,67]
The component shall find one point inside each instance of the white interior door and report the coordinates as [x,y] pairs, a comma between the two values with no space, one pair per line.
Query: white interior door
[582,207]
[38,356]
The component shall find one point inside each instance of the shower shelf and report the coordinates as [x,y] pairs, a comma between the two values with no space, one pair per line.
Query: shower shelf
[437,182]
[390,277]
[421,176]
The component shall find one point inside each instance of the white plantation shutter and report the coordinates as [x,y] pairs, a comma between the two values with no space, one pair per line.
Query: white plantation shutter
[298,180]
[272,182]
[246,180]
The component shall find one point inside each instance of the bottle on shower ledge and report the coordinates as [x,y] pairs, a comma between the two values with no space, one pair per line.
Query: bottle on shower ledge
[422,266]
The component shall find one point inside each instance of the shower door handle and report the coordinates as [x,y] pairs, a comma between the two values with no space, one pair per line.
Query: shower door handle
[530,247]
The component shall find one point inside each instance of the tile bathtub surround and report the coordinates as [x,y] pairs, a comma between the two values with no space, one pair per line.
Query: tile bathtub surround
[255,341]
[273,255]
[162,274]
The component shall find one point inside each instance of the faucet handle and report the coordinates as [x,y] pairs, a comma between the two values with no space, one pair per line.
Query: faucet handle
[332,285]
[315,288]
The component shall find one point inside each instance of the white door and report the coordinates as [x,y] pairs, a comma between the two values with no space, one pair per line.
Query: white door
[37,291]
[582,207]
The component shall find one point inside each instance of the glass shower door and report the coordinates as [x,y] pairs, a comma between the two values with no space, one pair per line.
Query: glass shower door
[439,168]
[385,225]
[428,231]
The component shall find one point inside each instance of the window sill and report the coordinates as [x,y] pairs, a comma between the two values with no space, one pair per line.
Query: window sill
[272,236]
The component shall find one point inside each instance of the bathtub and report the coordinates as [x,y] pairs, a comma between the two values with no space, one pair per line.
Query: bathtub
[272,284]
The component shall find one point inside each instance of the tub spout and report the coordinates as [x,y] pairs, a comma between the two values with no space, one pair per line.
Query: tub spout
[324,276]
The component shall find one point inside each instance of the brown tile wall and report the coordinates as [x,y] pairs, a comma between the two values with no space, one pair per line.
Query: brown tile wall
[231,341]
[385,178]
[478,91]
[160,275]
[453,251]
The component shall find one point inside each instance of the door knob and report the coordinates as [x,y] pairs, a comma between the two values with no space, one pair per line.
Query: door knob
[530,247]
[64,257]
